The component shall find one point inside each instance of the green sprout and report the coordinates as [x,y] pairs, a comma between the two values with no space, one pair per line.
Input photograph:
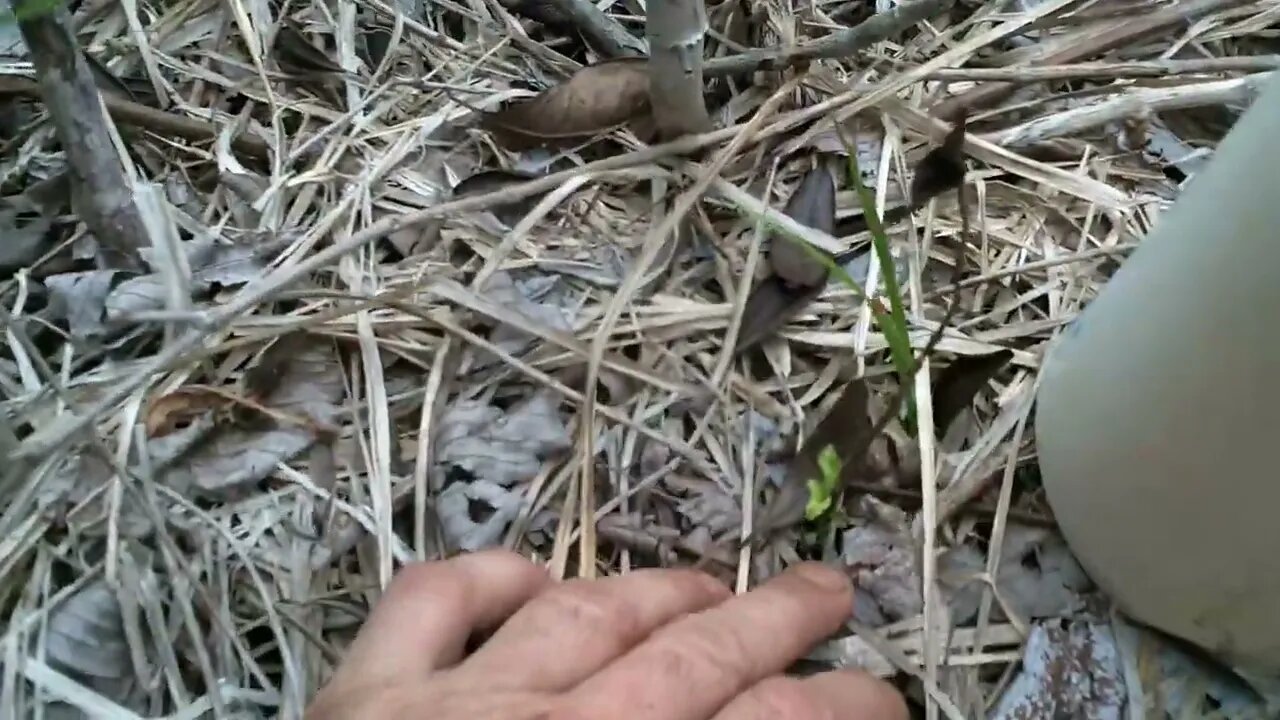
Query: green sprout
[822,490]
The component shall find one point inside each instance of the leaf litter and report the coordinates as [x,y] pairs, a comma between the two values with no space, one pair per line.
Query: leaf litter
[261,452]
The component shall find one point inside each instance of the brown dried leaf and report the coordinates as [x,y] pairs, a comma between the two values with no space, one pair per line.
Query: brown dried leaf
[814,204]
[770,306]
[547,13]
[942,169]
[595,99]
[167,413]
[846,427]
[491,180]
[798,277]
[296,55]
[271,368]
[956,386]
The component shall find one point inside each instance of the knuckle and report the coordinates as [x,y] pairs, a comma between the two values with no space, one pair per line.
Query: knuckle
[785,698]
[582,604]
[446,585]
[696,650]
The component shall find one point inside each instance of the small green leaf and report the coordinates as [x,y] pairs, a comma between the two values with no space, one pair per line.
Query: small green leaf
[829,464]
[819,501]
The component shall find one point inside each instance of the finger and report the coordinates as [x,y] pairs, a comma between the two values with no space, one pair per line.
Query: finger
[691,668]
[573,629]
[838,695]
[429,610]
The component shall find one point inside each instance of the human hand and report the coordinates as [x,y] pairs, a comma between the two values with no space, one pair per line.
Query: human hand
[649,645]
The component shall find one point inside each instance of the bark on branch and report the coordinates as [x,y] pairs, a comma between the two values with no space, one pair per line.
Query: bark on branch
[836,45]
[101,194]
[675,30]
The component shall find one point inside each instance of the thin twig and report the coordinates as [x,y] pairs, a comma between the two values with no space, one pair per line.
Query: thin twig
[1110,71]
[836,45]
[600,30]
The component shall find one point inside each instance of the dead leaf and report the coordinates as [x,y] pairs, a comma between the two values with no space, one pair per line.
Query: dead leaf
[297,56]
[798,276]
[770,306]
[168,412]
[845,427]
[80,297]
[955,387]
[1069,670]
[24,239]
[942,168]
[597,98]
[142,293]
[884,566]
[532,297]
[86,633]
[273,364]
[813,204]
[543,11]
[491,180]
[475,514]
[306,388]
[503,447]
[1039,577]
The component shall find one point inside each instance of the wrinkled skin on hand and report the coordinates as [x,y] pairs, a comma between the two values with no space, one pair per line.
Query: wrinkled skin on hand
[649,645]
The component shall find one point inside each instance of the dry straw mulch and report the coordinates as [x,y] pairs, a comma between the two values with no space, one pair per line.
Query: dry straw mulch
[374,263]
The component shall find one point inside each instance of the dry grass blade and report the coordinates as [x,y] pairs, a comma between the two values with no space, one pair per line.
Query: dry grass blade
[321,164]
[597,98]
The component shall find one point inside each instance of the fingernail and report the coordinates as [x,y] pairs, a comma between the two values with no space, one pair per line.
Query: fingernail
[824,577]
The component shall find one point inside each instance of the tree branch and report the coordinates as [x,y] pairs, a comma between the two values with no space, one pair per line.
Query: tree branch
[675,30]
[600,31]
[101,193]
[837,45]
[128,112]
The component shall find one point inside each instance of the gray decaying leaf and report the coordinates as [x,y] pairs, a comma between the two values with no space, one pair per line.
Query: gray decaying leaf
[595,99]
[1188,685]
[706,505]
[1069,670]
[457,503]
[140,294]
[502,447]
[80,297]
[533,298]
[1038,576]
[219,261]
[86,633]
[211,262]
[813,204]
[886,568]
[238,456]
[491,180]
[24,240]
